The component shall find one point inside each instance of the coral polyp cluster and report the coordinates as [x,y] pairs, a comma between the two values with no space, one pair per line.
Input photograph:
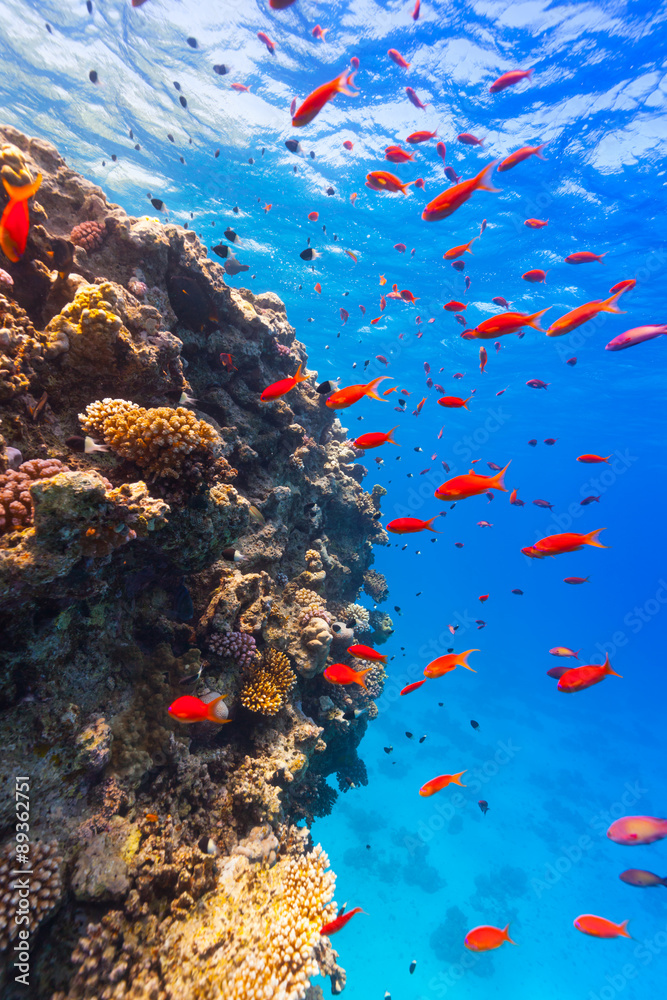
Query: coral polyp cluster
[266,692]
[16,504]
[157,440]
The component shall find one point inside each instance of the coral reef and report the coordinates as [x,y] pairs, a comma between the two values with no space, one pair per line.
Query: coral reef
[46,889]
[132,576]
[375,585]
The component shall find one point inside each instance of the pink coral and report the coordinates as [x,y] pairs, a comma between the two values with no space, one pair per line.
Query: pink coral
[89,235]
[16,509]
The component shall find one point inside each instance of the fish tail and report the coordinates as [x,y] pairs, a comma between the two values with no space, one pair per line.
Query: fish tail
[299,377]
[24,191]
[462,661]
[360,677]
[344,81]
[497,481]
[429,522]
[211,713]
[623,929]
[456,779]
[608,672]
[390,439]
[532,320]
[404,187]
[482,183]
[506,936]
[609,306]
[576,655]
[538,151]
[370,388]
[592,539]
[467,401]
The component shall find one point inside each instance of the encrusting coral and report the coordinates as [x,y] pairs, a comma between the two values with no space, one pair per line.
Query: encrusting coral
[16,504]
[157,440]
[89,235]
[375,585]
[267,690]
[46,889]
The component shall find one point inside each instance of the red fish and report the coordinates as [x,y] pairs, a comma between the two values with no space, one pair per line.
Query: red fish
[421,136]
[397,155]
[271,46]
[536,223]
[408,525]
[471,485]
[500,301]
[437,784]
[190,709]
[419,183]
[343,398]
[450,661]
[535,275]
[314,103]
[319,33]
[600,927]
[454,401]
[414,99]
[374,440]
[579,678]
[344,315]
[412,687]
[486,938]
[366,653]
[339,922]
[401,247]
[415,13]
[441,150]
[585,257]
[576,579]
[455,306]
[448,201]
[537,383]
[483,358]
[592,459]
[632,831]
[521,155]
[381,180]
[282,387]
[15,221]
[383,303]
[571,541]
[407,296]
[582,314]
[509,79]
[280,4]
[564,651]
[340,673]
[396,56]
[459,250]
[636,336]
[318,288]
[313,216]
[348,145]
[240,87]
[507,322]
[623,286]
[469,140]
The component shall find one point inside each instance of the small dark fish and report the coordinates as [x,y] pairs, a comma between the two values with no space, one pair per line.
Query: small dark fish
[410,736]
[368,847]
[421,739]
[183,101]
[532,442]
[458,545]
[492,465]
[468,282]
[170,137]
[222,250]
[397,610]
[236,210]
[517,591]
[158,205]
[113,157]
[326,387]
[232,555]
[413,965]
[177,85]
[293,145]
[536,383]
[183,606]
[192,678]
[500,301]
[557,672]
[233,267]
[308,254]
[192,42]
[484,806]
[550,440]
[215,156]
[641,878]
[585,502]
[387,749]
[458,265]
[93,77]
[220,69]
[543,503]
[475,725]
[231,235]
[330,191]
[89,6]
[452,175]
[49,29]
[251,160]
[571,362]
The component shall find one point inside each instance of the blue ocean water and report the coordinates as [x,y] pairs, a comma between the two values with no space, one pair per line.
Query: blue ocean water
[555,770]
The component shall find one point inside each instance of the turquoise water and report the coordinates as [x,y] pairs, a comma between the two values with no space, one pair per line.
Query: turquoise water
[554,770]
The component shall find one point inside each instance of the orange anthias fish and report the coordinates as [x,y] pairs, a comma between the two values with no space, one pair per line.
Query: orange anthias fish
[271,46]
[454,401]
[15,221]
[343,398]
[421,136]
[458,251]
[486,938]
[483,358]
[397,58]
[592,459]
[191,709]
[600,927]
[536,223]
[579,678]
[631,831]
[397,155]
[455,306]
[471,485]
[314,103]
[340,673]
[374,440]
[407,525]
[366,653]
[450,661]
[339,922]
[282,387]
[521,155]
[570,541]
[448,201]
[409,688]
[507,322]
[382,180]
[509,79]
[585,257]
[437,784]
[582,314]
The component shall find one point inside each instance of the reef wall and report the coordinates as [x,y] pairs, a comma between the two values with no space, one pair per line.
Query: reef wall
[163,533]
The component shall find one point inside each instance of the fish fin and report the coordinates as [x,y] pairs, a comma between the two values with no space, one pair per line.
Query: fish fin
[7,245]
[456,779]
[344,81]
[591,539]
[609,305]
[428,524]
[299,377]
[481,181]
[535,316]
[623,929]
[467,401]
[360,677]
[608,671]
[538,151]
[24,191]
[461,661]
[370,388]
[506,936]
[210,713]
[497,481]
[390,439]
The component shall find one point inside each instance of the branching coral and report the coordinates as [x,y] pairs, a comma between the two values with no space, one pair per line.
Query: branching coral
[375,585]
[46,889]
[315,610]
[239,646]
[157,440]
[266,692]
[16,506]
[361,616]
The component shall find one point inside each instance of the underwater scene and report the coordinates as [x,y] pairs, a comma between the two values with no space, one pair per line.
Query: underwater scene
[333,576]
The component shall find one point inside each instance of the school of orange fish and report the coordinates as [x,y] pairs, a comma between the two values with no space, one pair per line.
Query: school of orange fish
[628,830]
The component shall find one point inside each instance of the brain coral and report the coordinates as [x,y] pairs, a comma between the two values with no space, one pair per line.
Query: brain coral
[157,440]
[89,235]
[16,506]
[266,692]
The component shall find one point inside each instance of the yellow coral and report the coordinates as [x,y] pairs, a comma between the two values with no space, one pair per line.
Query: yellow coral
[157,440]
[266,692]
[306,597]
[92,327]
[12,166]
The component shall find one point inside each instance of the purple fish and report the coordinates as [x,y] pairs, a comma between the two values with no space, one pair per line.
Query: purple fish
[636,336]
[642,879]
[543,503]
[414,99]
[537,383]
[452,175]
[557,672]
[585,502]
